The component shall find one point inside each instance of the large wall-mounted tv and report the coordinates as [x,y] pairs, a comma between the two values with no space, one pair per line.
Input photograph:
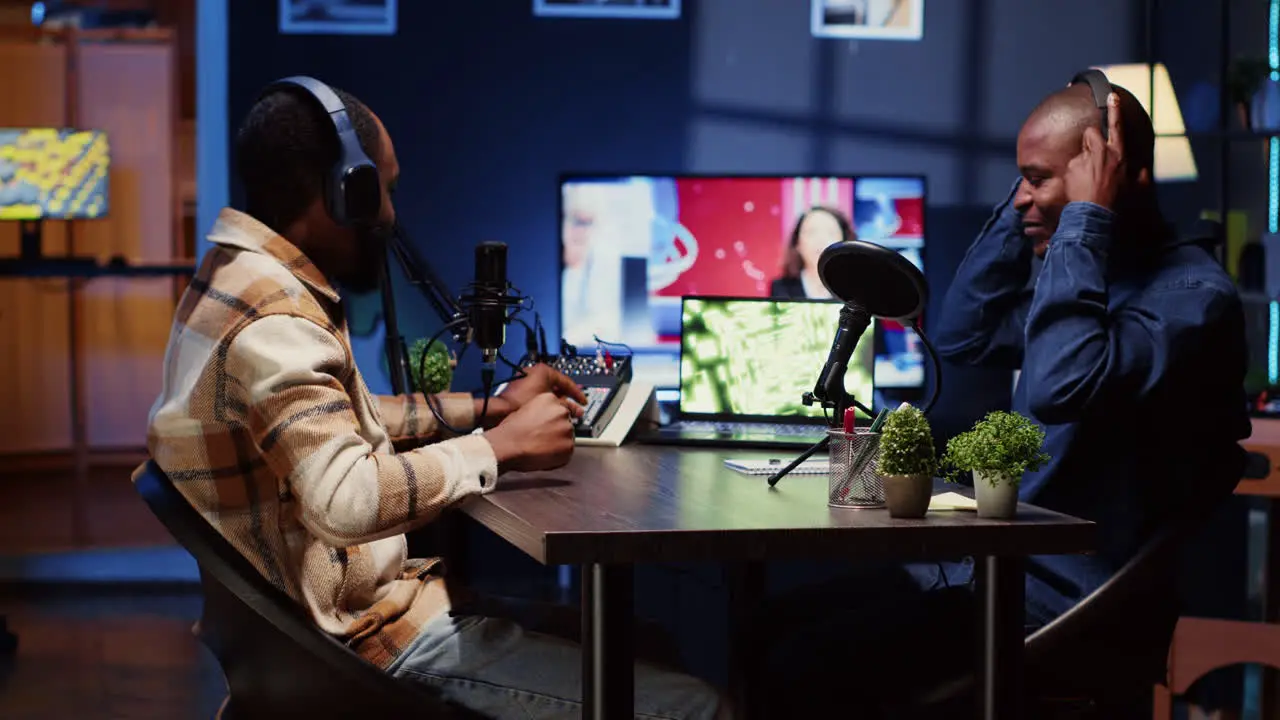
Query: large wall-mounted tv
[633,245]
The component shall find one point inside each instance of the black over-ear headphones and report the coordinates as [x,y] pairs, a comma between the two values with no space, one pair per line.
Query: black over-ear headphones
[353,191]
[1100,86]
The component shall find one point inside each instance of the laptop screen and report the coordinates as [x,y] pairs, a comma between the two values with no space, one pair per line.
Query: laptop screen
[754,358]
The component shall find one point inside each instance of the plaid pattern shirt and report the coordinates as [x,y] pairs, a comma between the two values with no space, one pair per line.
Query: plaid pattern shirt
[265,425]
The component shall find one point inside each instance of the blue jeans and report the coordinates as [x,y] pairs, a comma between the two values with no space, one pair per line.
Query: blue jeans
[497,668]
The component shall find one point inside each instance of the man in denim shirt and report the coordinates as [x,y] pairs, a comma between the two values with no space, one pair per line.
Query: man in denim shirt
[1131,342]
[1132,355]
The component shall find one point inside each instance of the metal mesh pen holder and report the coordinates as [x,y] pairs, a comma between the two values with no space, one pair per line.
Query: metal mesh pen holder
[854,481]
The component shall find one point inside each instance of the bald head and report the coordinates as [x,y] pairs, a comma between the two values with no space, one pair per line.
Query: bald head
[1054,134]
[1061,118]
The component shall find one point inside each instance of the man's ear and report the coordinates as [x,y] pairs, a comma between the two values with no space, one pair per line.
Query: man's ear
[1143,178]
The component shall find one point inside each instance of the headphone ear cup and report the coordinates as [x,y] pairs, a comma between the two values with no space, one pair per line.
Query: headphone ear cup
[360,193]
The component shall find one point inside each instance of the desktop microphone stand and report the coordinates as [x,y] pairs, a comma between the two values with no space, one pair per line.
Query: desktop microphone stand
[830,392]
[839,406]
[836,388]
[397,355]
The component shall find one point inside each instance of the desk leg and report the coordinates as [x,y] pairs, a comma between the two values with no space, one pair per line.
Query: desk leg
[746,589]
[608,658]
[1269,702]
[1002,593]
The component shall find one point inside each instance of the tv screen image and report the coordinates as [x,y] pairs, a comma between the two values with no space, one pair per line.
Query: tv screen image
[632,246]
[51,173]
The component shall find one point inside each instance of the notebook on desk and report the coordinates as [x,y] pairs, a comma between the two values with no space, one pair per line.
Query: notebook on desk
[820,466]
[745,363]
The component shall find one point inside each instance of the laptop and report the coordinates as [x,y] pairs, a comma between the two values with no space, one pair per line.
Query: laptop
[745,364]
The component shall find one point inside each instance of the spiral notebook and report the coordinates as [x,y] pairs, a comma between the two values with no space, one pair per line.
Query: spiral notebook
[753,466]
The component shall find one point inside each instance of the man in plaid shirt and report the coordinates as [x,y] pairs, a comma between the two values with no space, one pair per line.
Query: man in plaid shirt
[265,424]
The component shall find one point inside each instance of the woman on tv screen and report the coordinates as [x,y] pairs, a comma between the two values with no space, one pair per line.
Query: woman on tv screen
[815,230]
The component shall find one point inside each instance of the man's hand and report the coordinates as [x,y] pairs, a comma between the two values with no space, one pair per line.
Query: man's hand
[541,379]
[538,436]
[1098,173]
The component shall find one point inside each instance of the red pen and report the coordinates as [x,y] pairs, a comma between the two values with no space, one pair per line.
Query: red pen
[848,420]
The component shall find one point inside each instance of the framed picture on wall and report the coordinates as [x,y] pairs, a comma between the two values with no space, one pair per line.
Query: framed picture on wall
[635,9]
[338,17]
[867,19]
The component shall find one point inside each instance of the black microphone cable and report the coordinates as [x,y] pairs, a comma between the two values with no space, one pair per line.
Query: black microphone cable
[937,366]
[434,406]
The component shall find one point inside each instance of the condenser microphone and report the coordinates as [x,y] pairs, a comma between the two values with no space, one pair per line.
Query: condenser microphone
[854,321]
[487,309]
[872,281]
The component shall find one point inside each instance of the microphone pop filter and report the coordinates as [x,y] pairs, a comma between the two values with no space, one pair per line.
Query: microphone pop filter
[882,281]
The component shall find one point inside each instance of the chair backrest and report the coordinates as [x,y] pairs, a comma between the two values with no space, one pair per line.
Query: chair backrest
[277,662]
[1152,570]
[1082,651]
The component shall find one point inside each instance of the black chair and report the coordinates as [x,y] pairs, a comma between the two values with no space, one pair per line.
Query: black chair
[276,661]
[1101,658]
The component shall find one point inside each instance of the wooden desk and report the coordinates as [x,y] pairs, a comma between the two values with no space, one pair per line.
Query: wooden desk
[612,507]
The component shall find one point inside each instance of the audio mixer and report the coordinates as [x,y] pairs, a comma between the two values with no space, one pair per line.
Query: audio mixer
[603,379]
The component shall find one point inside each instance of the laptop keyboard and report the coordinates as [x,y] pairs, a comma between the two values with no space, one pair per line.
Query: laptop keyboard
[750,428]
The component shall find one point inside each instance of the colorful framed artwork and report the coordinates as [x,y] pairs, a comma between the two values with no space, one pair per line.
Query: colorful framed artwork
[867,19]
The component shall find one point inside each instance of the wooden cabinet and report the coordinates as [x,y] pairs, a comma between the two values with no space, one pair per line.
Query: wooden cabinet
[82,360]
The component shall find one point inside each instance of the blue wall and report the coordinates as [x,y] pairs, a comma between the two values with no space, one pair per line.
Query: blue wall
[488,105]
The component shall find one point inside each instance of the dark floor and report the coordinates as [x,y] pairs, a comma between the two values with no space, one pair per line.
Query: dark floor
[118,653]
[87,654]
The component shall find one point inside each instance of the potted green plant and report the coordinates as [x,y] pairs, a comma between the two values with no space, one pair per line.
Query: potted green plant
[907,462]
[998,450]
[431,369]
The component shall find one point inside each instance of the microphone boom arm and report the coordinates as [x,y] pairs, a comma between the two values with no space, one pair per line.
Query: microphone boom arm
[421,276]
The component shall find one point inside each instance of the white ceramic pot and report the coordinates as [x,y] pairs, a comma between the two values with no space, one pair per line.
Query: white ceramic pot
[998,499]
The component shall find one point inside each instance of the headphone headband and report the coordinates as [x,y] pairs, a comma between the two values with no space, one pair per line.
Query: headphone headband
[353,191]
[1100,86]
[322,93]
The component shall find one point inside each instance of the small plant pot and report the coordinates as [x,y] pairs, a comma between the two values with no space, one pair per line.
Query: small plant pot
[995,500]
[908,496]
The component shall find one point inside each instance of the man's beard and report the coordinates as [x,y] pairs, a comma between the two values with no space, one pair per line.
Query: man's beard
[367,275]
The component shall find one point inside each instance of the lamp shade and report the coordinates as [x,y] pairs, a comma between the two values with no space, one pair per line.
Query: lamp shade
[1174,160]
